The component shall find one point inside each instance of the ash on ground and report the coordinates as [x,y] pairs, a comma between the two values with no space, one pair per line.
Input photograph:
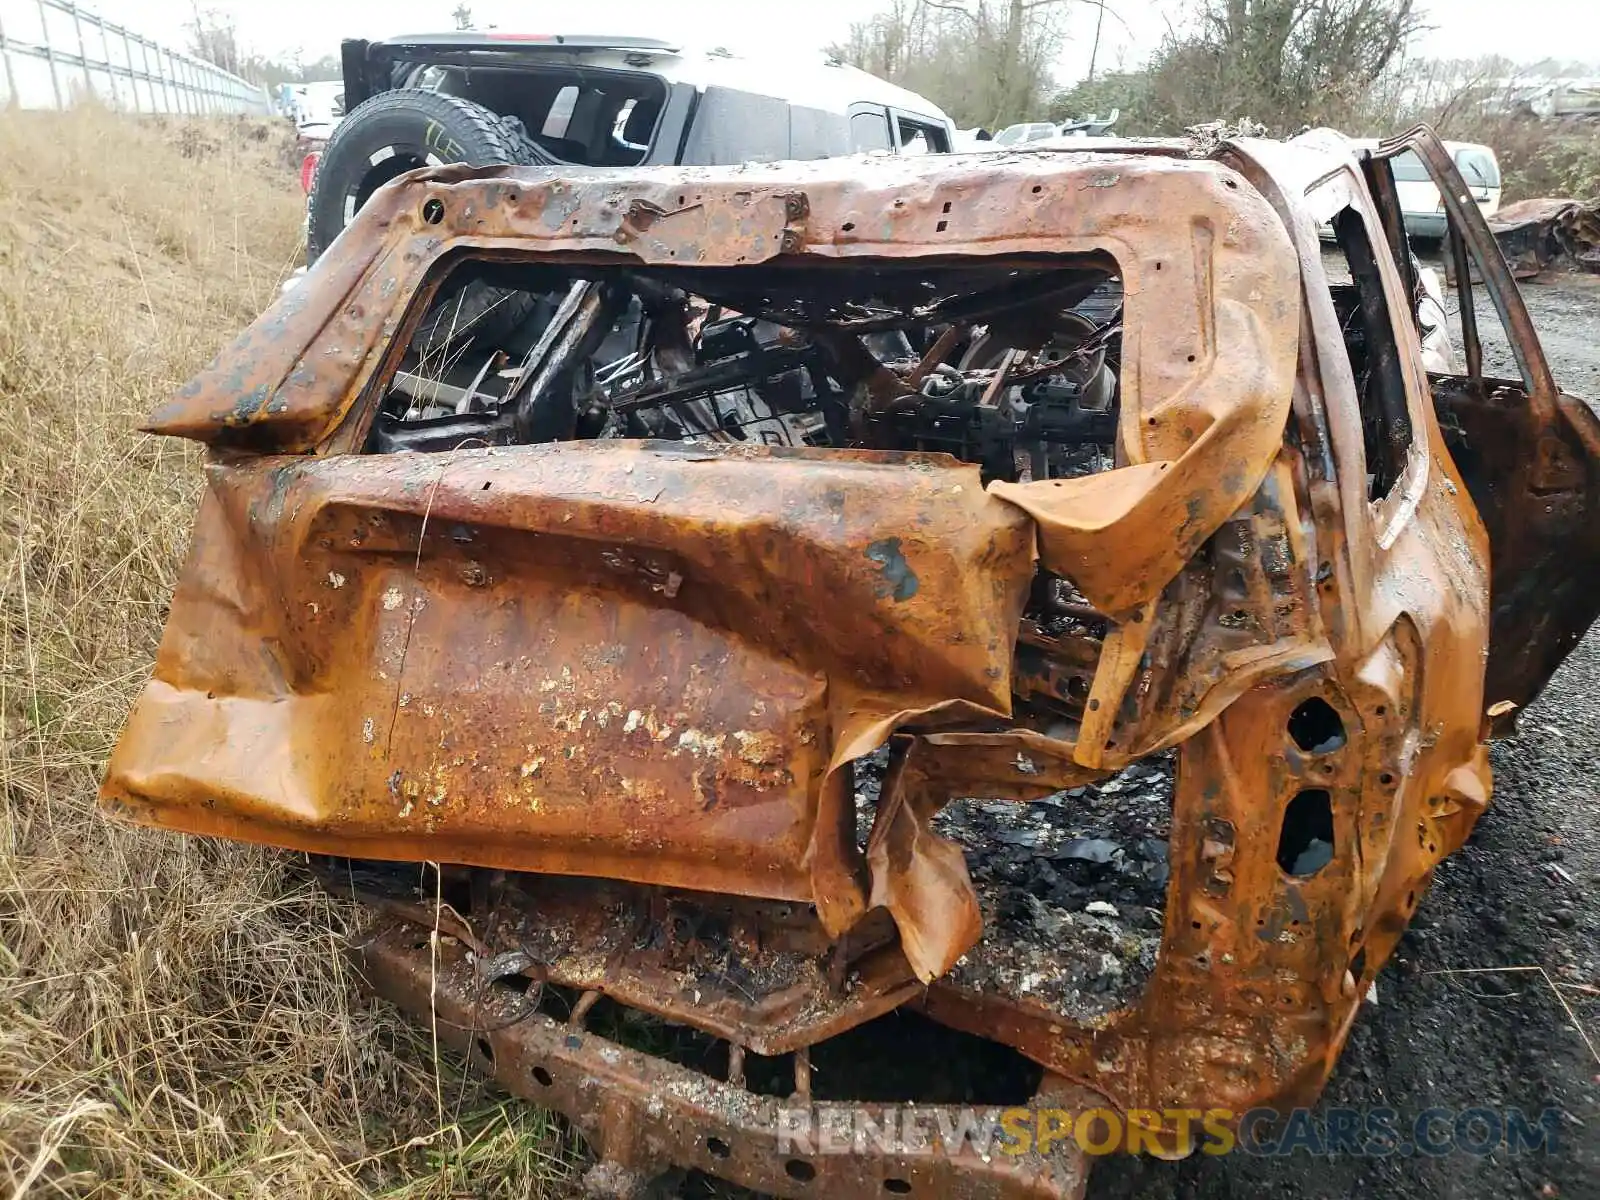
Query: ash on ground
[1073,887]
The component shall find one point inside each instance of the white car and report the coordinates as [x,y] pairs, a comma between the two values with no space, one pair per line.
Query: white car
[1419,198]
[1024,132]
[318,109]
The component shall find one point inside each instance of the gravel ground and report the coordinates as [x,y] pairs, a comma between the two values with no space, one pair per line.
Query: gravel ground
[1517,895]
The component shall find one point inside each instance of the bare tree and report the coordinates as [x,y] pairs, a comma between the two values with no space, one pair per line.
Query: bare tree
[214,38]
[1287,63]
[987,62]
[462,16]
[879,43]
[1019,39]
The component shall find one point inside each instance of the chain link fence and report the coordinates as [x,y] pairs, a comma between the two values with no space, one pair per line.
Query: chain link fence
[54,52]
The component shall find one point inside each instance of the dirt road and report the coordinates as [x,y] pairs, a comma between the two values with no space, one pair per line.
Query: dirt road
[1519,894]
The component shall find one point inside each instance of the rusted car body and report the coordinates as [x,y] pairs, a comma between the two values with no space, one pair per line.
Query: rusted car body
[626,686]
[1544,235]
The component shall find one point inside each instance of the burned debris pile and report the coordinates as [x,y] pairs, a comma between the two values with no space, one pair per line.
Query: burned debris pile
[1073,890]
[1073,887]
[1548,235]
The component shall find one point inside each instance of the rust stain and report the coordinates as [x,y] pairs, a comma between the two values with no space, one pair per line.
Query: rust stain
[647,665]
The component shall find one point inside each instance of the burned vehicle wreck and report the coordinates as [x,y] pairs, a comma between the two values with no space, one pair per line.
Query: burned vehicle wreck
[819,505]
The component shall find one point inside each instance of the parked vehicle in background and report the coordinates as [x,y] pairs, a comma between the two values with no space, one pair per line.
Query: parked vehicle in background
[1024,132]
[1548,99]
[318,109]
[1027,133]
[597,101]
[1090,126]
[1419,196]
[1568,98]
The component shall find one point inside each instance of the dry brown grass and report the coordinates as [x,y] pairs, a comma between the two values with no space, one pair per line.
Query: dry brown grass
[175,1019]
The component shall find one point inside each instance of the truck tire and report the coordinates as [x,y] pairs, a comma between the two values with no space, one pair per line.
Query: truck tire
[402,130]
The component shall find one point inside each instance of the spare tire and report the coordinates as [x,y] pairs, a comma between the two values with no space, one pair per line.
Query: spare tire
[399,131]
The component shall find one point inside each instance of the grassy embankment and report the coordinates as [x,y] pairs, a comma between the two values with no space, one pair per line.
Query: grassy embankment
[175,1019]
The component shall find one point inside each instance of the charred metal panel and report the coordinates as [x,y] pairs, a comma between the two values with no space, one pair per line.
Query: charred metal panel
[1537,486]
[1542,235]
[583,658]
[644,1115]
[655,663]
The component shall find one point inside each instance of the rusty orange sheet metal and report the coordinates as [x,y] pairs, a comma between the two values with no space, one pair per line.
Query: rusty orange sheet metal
[1201,430]
[586,658]
[650,662]
[1211,373]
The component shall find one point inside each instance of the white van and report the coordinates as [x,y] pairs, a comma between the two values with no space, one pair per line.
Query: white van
[1419,198]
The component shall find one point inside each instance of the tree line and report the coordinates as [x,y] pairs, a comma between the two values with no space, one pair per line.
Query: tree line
[1285,65]
[214,38]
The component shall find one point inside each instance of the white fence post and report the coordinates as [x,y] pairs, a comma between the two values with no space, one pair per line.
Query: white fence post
[133,76]
[41,70]
[5,57]
[50,54]
[83,49]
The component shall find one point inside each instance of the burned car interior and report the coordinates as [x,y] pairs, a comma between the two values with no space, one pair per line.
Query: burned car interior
[837,603]
[905,359]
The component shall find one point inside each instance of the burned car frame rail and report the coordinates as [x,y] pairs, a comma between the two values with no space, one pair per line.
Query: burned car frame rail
[643,1115]
[642,665]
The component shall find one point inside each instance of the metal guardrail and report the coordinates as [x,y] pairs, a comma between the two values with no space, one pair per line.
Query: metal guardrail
[54,52]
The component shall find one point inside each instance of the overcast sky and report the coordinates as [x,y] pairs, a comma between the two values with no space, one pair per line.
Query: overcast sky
[1526,30]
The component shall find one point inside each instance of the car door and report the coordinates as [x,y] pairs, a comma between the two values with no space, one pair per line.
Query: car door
[1529,452]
